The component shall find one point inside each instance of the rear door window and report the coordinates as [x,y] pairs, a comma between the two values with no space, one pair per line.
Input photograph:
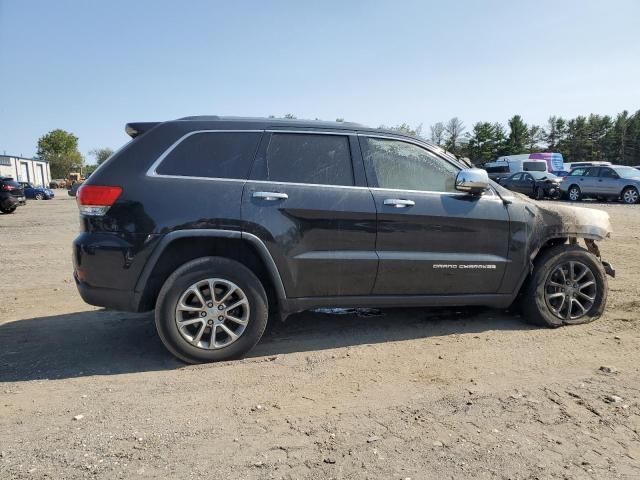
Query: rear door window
[322,159]
[212,155]
[592,172]
[608,173]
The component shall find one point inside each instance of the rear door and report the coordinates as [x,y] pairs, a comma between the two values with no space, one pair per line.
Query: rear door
[589,182]
[308,202]
[432,239]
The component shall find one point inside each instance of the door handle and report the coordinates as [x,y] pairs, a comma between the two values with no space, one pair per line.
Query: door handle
[271,196]
[399,202]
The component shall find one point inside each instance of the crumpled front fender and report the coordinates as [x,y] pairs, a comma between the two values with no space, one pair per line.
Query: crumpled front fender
[558,220]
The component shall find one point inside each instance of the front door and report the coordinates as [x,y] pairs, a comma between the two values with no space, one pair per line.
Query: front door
[309,204]
[432,240]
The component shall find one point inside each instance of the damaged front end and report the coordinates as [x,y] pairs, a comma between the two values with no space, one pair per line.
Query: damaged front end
[557,221]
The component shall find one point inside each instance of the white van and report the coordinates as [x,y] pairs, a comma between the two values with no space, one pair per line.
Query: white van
[505,166]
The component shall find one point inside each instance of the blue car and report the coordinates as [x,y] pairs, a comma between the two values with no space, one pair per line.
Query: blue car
[37,193]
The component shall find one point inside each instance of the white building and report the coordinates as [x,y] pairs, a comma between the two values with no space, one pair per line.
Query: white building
[22,169]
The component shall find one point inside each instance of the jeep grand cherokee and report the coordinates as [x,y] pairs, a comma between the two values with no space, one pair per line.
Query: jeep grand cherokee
[216,222]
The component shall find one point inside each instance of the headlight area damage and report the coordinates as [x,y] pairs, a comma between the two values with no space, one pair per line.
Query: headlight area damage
[557,221]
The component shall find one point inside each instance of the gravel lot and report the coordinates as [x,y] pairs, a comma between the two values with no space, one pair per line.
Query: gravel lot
[87,393]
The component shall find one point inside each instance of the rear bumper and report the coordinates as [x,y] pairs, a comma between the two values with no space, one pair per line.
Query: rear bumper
[106,297]
[106,268]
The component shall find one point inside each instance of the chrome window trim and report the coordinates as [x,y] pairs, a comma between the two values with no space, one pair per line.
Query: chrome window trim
[151,172]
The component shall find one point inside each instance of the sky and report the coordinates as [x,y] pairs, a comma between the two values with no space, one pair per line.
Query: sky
[89,67]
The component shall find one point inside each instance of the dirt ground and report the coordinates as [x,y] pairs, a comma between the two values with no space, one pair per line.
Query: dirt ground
[87,393]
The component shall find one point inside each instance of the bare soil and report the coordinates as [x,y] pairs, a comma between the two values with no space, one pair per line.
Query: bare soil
[414,393]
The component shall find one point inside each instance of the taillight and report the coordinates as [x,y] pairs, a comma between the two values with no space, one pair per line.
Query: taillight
[95,200]
[8,188]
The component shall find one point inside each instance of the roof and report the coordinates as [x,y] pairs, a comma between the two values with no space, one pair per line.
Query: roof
[25,158]
[266,123]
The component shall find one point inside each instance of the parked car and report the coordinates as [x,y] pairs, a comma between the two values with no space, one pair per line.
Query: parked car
[74,189]
[608,182]
[536,185]
[58,183]
[37,193]
[11,195]
[214,222]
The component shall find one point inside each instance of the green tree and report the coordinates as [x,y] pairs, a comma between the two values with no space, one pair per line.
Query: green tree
[101,154]
[555,132]
[535,136]
[60,149]
[518,136]
[481,145]
[405,128]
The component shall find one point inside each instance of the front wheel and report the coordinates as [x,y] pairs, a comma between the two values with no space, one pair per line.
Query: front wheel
[39,196]
[211,309]
[630,195]
[539,193]
[568,287]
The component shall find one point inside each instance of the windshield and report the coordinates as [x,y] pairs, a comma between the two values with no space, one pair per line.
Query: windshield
[627,172]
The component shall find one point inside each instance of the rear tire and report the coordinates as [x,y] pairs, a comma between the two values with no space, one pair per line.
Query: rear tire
[541,298]
[630,195]
[176,288]
[574,194]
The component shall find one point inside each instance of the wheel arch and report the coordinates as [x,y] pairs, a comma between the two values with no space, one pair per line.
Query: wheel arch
[179,247]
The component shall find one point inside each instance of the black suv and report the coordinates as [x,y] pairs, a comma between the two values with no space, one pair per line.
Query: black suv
[11,195]
[216,222]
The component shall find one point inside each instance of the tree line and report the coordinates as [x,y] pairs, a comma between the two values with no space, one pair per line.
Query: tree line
[583,138]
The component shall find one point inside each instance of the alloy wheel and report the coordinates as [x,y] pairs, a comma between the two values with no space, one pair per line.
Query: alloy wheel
[212,313]
[570,290]
[574,194]
[630,196]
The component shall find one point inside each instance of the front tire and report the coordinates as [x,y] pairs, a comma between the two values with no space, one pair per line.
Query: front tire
[39,196]
[630,195]
[211,309]
[568,287]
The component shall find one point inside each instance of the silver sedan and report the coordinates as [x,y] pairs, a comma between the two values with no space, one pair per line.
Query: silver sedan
[606,182]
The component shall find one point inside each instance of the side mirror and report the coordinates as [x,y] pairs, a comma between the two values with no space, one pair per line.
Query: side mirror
[472,180]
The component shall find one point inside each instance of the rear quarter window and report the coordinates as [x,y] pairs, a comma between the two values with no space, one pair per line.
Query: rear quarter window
[212,155]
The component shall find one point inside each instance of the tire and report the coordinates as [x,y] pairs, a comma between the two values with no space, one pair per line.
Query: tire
[8,210]
[538,308]
[538,193]
[39,196]
[178,285]
[574,194]
[630,195]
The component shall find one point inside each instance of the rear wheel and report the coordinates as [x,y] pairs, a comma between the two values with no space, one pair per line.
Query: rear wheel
[574,193]
[211,309]
[568,287]
[630,195]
